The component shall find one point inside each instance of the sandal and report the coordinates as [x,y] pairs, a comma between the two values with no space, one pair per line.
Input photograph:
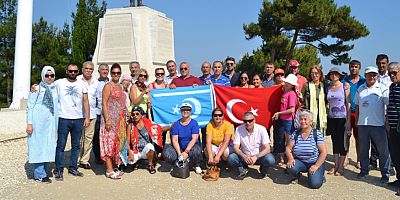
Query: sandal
[332,171]
[151,169]
[113,175]
[358,165]
[119,172]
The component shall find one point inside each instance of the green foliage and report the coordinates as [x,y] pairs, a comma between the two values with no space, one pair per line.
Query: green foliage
[8,19]
[84,32]
[285,24]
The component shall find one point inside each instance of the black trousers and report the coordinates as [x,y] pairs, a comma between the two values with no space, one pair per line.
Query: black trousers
[394,149]
[96,139]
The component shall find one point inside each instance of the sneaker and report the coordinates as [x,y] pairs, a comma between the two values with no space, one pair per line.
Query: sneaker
[58,175]
[197,170]
[242,174]
[75,172]
[294,180]
[372,167]
[384,180]
[85,166]
[361,176]
[392,172]
[395,183]
[44,180]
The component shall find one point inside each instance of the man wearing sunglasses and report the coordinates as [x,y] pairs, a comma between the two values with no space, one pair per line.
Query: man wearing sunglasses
[230,72]
[185,79]
[294,68]
[251,146]
[73,95]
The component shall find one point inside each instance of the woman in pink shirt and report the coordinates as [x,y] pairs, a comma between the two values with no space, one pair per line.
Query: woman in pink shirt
[284,123]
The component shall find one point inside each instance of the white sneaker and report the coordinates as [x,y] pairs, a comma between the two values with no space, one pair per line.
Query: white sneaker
[198,170]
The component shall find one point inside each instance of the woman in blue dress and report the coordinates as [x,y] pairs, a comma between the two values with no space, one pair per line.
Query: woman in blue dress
[42,122]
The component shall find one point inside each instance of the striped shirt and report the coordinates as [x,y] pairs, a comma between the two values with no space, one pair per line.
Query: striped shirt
[392,112]
[307,150]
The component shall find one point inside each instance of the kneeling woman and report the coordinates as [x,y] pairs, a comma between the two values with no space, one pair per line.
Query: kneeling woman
[219,133]
[144,135]
[306,152]
[185,140]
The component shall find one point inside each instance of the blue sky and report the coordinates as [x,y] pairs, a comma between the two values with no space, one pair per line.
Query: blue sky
[211,30]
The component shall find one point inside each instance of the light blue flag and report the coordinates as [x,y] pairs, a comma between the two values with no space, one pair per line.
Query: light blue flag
[166,104]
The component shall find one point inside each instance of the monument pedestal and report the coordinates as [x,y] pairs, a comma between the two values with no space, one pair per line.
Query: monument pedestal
[135,34]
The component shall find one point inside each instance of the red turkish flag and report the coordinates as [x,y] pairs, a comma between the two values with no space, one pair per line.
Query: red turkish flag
[262,102]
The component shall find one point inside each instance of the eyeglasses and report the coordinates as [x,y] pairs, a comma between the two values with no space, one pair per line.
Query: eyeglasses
[49,75]
[248,121]
[243,78]
[184,68]
[314,73]
[186,110]
[293,67]
[135,114]
[116,73]
[230,64]
[73,71]
[218,115]
[279,74]
[394,73]
[160,74]
[143,75]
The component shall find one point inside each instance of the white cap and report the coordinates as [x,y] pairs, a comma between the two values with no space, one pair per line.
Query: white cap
[371,69]
[186,105]
[292,79]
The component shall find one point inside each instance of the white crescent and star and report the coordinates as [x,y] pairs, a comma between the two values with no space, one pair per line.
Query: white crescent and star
[229,106]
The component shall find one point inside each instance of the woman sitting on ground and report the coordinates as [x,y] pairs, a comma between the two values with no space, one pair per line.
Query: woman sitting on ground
[218,140]
[185,140]
[306,152]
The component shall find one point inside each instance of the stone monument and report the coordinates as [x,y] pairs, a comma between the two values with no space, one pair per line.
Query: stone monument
[135,34]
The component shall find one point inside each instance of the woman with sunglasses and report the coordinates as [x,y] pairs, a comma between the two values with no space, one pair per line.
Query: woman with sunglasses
[42,122]
[113,134]
[140,93]
[279,74]
[185,141]
[244,80]
[257,82]
[219,133]
[314,97]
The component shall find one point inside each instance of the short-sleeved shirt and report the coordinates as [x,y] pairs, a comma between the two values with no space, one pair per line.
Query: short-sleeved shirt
[181,82]
[384,79]
[222,80]
[393,108]
[71,98]
[185,133]
[371,102]
[307,150]
[288,101]
[218,133]
[251,144]
[353,89]
[92,95]
[301,80]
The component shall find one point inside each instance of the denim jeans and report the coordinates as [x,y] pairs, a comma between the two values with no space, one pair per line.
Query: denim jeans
[40,170]
[377,134]
[65,126]
[315,180]
[282,127]
[240,164]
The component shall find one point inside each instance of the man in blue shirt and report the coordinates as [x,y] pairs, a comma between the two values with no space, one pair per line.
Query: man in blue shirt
[217,78]
[355,80]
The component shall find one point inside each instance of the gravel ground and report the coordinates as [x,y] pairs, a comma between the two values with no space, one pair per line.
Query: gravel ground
[14,183]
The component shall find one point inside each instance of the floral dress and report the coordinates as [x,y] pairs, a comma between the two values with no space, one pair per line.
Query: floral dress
[113,143]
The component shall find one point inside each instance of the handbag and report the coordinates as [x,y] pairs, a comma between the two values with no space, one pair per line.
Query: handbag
[212,173]
[181,171]
[157,148]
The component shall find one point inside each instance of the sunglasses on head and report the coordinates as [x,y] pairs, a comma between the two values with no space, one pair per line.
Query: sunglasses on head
[115,73]
[248,121]
[218,115]
[73,71]
[183,68]
[49,75]
[143,75]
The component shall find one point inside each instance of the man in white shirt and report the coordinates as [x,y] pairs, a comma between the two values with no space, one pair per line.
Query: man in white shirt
[171,68]
[252,147]
[74,115]
[88,132]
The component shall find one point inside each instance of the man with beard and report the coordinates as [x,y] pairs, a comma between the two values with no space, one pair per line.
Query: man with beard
[134,66]
[73,95]
[355,80]
[104,69]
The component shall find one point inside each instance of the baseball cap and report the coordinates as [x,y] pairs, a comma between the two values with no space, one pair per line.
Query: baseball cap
[371,69]
[294,63]
[279,71]
[138,109]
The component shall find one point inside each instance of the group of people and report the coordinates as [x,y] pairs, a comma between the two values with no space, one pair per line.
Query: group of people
[113,117]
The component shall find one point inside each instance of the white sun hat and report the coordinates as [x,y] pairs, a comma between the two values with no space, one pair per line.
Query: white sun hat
[292,79]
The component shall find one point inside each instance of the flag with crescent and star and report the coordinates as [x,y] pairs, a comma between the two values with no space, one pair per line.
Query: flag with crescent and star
[166,104]
[262,102]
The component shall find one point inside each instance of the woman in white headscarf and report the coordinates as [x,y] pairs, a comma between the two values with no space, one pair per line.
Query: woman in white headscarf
[42,122]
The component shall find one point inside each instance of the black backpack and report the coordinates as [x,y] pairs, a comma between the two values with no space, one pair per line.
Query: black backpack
[298,132]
